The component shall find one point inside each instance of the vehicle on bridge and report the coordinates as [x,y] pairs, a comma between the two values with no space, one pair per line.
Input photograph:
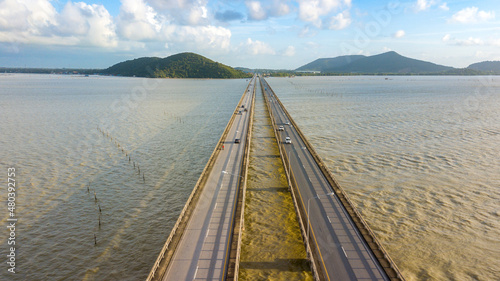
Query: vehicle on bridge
[281,128]
[288,140]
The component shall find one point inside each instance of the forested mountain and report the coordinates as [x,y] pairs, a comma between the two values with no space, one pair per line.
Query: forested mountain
[327,64]
[183,65]
[486,66]
[386,63]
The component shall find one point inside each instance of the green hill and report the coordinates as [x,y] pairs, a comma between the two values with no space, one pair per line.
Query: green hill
[183,65]
[386,63]
[327,64]
[486,66]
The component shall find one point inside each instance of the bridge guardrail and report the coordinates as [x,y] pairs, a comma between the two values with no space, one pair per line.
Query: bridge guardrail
[292,185]
[233,270]
[376,247]
[183,219]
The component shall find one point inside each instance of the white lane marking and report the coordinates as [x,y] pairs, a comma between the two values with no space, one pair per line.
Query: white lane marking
[329,219]
[344,252]
[196,272]
[215,206]
[208,230]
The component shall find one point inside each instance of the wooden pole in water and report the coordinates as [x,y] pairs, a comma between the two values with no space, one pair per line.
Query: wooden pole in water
[99,208]
[143,178]
[95,239]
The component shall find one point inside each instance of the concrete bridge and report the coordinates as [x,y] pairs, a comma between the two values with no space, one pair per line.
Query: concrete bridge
[205,241]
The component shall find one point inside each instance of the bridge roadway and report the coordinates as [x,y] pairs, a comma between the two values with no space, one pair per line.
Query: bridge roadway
[340,251]
[203,251]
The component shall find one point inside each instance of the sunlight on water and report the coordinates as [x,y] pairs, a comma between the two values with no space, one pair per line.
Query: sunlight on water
[272,247]
[419,156]
[70,139]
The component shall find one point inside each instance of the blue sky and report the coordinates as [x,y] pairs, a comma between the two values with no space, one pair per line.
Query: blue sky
[279,34]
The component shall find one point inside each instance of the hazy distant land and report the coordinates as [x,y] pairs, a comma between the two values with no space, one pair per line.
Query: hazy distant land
[191,65]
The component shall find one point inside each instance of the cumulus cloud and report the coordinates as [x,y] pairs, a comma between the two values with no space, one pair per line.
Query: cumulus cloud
[255,10]
[340,21]
[184,12]
[26,15]
[312,10]
[37,22]
[444,7]
[261,10]
[139,25]
[138,21]
[399,34]
[472,15]
[471,41]
[258,48]
[200,37]
[423,5]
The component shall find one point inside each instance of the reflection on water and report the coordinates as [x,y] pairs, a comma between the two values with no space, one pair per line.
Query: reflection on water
[419,156]
[272,247]
[70,139]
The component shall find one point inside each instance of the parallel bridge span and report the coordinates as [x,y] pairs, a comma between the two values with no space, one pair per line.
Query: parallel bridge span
[205,241]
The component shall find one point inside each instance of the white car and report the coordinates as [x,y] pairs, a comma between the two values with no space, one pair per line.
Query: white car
[281,128]
[288,140]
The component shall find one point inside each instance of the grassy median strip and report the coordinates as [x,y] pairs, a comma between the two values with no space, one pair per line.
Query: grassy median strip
[272,247]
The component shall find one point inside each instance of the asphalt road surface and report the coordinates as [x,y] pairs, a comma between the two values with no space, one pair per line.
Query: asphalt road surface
[342,252]
[203,252]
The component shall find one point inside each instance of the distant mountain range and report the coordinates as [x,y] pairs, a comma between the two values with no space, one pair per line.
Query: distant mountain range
[183,65]
[389,63]
[486,66]
[191,65]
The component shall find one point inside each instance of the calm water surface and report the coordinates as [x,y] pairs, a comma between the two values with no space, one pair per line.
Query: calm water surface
[420,157]
[50,134]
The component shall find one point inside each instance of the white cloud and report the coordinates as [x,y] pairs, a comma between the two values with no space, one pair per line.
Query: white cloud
[313,10]
[138,21]
[261,10]
[399,34]
[185,12]
[198,15]
[472,15]
[255,10]
[495,42]
[26,16]
[198,37]
[279,8]
[471,41]
[423,5]
[37,22]
[340,21]
[289,51]
[444,7]
[258,48]
[94,23]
